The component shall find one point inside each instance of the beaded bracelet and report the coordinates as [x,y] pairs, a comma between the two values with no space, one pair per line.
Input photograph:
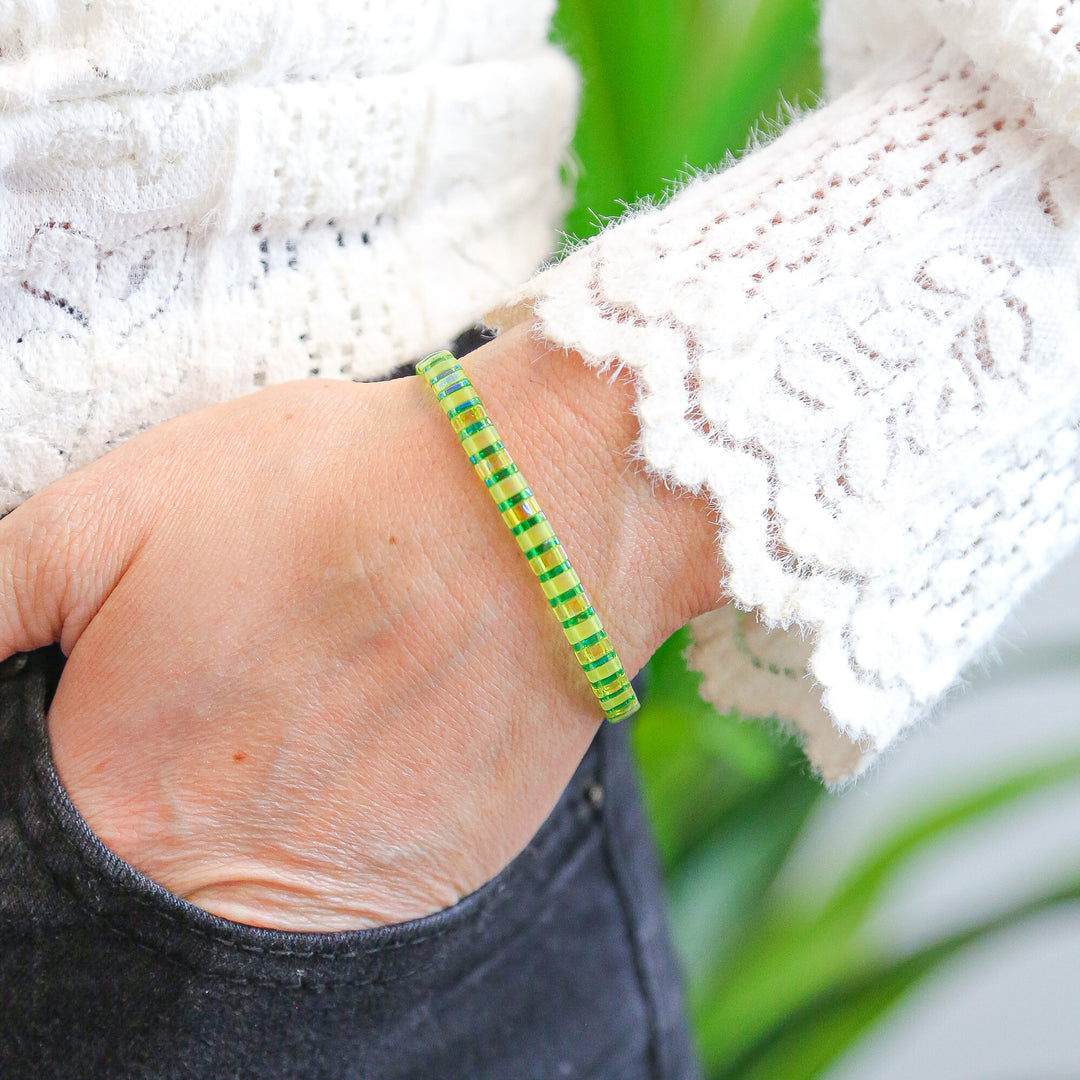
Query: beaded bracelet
[529,526]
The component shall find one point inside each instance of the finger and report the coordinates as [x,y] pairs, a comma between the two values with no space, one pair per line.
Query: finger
[61,554]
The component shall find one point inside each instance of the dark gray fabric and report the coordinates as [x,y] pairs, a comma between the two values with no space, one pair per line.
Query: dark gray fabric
[560,967]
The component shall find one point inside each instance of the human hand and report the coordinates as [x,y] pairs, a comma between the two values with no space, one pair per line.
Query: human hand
[311,683]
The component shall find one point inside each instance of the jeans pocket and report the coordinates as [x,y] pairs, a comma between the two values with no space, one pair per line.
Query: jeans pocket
[107,974]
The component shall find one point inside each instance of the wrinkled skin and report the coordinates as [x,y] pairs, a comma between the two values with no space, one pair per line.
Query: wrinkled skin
[311,682]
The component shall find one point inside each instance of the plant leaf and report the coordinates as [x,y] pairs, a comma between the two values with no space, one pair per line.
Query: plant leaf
[811,1039]
[792,956]
[863,887]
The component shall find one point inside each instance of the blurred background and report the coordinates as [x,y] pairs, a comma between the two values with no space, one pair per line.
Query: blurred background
[927,921]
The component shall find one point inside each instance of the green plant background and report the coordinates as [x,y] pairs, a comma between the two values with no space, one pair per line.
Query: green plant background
[779,988]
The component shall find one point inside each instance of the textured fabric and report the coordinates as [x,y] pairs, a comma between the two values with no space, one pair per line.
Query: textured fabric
[860,342]
[560,967]
[1031,45]
[199,199]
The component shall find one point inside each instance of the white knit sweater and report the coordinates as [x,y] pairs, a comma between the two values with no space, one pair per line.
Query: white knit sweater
[858,341]
[200,198]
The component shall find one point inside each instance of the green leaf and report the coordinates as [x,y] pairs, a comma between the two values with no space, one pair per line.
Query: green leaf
[717,887]
[863,887]
[675,85]
[805,1043]
[794,954]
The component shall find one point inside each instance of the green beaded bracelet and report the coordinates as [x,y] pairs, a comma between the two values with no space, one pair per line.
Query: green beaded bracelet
[529,526]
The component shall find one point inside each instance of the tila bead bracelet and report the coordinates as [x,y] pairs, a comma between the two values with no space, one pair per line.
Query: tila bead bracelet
[530,527]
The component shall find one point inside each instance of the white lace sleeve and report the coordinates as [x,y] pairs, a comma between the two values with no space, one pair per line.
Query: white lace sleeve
[861,342]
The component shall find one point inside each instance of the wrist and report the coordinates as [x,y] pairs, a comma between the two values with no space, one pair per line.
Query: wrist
[645,553]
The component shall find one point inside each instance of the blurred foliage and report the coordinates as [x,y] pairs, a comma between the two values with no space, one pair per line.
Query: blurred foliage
[672,84]
[779,987]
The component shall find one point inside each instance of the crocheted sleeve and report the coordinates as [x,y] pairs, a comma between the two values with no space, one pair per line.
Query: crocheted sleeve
[860,342]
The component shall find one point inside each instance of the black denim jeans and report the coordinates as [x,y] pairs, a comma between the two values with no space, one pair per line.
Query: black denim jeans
[560,967]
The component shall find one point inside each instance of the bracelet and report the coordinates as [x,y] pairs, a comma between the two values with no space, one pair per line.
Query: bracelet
[530,527]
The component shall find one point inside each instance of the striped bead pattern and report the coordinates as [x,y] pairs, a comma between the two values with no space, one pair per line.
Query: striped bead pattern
[533,533]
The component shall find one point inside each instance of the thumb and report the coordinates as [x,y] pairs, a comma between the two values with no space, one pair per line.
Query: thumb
[61,553]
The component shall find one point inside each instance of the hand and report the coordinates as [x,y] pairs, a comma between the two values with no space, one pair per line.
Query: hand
[311,683]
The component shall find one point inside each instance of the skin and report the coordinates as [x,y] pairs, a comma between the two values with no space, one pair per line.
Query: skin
[311,682]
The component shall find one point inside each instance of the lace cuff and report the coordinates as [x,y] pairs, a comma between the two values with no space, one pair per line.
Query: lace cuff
[856,342]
